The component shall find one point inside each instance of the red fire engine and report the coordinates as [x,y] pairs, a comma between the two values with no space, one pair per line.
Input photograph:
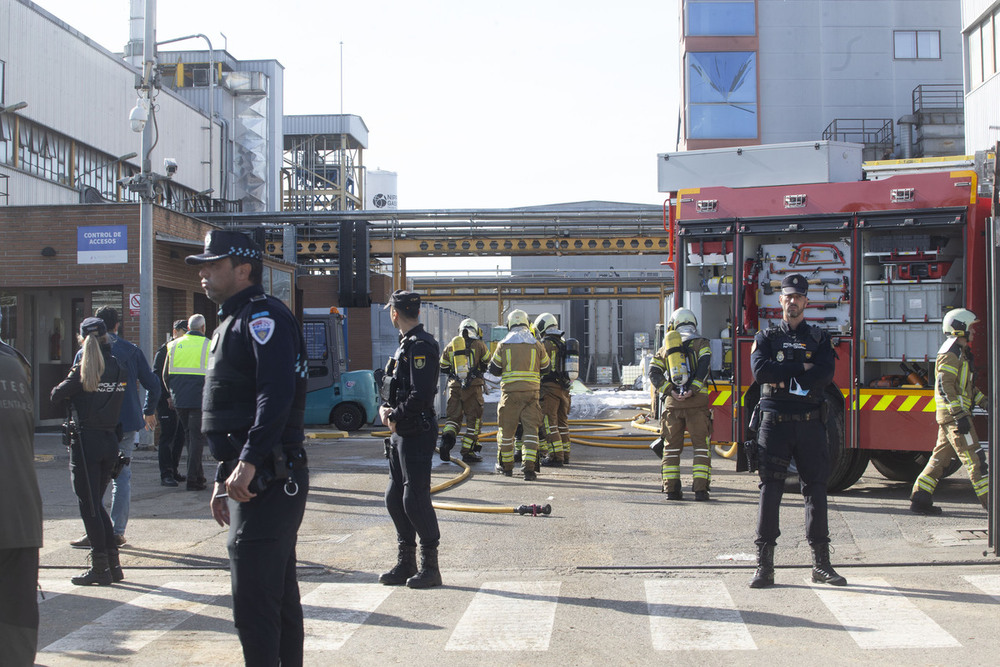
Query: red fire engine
[886,259]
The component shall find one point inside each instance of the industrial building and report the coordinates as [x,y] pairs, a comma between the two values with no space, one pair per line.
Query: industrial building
[886,74]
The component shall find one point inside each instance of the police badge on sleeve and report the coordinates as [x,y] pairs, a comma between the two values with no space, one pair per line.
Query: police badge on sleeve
[261,329]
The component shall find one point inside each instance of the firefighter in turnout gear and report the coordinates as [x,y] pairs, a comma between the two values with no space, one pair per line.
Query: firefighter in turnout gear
[955,393]
[519,361]
[680,370]
[793,362]
[464,361]
[554,397]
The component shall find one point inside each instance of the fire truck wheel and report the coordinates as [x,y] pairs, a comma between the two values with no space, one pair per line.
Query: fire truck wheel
[846,465]
[905,466]
[347,417]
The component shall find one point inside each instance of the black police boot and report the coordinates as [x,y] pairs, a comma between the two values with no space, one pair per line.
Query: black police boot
[429,574]
[115,565]
[823,572]
[97,574]
[922,503]
[406,567]
[764,576]
[447,444]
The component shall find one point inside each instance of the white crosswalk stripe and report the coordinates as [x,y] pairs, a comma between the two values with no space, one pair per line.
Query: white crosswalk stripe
[694,615]
[129,627]
[685,614]
[508,616]
[877,616]
[987,583]
[334,611]
[53,588]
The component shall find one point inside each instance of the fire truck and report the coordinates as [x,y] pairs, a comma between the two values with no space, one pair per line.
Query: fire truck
[886,259]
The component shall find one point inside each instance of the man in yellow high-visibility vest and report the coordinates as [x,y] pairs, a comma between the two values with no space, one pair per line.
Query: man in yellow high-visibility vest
[184,376]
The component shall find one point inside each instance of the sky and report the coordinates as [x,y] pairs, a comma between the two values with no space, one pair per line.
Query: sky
[472,104]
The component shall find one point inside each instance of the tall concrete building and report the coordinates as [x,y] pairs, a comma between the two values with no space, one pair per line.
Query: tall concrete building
[883,73]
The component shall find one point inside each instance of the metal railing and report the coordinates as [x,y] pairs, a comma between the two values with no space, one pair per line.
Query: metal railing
[938,97]
[873,132]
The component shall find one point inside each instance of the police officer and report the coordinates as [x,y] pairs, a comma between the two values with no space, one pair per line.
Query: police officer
[554,398]
[252,414]
[465,395]
[96,387]
[519,361]
[408,411]
[955,393]
[685,407]
[793,363]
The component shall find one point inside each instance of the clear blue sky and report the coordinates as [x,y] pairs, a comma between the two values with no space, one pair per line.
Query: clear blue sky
[473,104]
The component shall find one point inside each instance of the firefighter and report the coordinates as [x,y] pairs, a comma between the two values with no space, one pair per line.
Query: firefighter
[955,393]
[518,361]
[555,398]
[464,361]
[679,371]
[793,362]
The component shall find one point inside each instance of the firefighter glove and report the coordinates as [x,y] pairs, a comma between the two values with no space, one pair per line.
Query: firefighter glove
[963,424]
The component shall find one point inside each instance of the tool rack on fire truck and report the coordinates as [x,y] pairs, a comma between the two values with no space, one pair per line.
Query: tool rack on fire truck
[886,259]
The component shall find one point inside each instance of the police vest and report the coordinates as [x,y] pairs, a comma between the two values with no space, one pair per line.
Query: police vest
[188,355]
[229,401]
[785,347]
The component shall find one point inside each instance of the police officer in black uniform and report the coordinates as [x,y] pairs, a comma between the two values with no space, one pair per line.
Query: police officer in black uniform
[96,388]
[252,413]
[408,410]
[793,363]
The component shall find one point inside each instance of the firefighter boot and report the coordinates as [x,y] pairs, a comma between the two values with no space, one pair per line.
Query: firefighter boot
[406,567]
[823,572]
[922,503]
[429,574]
[448,439]
[529,471]
[115,565]
[764,576]
[97,574]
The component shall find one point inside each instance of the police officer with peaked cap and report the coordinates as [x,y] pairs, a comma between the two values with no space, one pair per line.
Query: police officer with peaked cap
[408,411]
[793,362]
[252,415]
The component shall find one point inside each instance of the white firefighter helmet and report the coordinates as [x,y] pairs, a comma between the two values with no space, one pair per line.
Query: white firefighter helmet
[543,322]
[680,317]
[517,318]
[470,325]
[958,322]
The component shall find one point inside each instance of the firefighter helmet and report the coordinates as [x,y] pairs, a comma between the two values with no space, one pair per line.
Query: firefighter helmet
[543,322]
[517,318]
[470,325]
[958,322]
[680,317]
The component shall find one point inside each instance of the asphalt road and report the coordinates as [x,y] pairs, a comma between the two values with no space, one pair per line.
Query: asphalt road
[614,575]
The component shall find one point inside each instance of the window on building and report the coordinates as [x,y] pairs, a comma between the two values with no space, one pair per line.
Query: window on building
[916,44]
[721,95]
[975,57]
[720,17]
[278,284]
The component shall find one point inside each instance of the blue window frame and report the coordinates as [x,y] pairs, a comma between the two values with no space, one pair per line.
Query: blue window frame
[723,18]
[721,95]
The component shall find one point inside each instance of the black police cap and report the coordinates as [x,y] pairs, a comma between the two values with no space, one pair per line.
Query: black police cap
[405,302]
[93,325]
[221,243]
[795,283]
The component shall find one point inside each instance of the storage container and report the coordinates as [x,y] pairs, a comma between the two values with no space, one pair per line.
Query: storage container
[877,302]
[921,301]
[877,341]
[915,341]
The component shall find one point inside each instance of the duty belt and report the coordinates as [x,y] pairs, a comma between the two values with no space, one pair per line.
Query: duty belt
[795,416]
